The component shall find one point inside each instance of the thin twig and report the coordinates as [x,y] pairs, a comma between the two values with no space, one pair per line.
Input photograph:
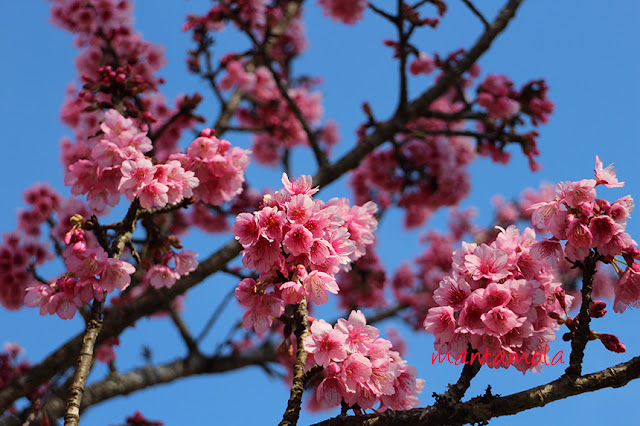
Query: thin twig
[216,314]
[184,331]
[381,12]
[477,13]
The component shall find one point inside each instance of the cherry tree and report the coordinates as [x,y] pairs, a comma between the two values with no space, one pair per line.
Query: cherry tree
[145,174]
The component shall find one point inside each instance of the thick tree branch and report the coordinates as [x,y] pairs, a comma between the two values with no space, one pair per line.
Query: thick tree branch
[487,407]
[117,320]
[117,384]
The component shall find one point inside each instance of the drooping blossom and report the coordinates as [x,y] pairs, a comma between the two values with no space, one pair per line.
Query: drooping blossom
[360,367]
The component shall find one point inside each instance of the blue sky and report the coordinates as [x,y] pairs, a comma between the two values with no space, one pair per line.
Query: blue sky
[588,54]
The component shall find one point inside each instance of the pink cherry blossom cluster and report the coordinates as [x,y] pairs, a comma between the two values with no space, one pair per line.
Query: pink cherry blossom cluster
[211,171]
[162,275]
[255,16]
[360,367]
[589,224]
[218,167]
[511,211]
[502,108]
[116,67]
[116,59]
[421,174]
[22,251]
[348,12]
[364,284]
[117,165]
[422,64]
[243,13]
[500,297]
[502,101]
[91,275]
[270,112]
[108,23]
[11,367]
[415,289]
[18,258]
[297,244]
[497,95]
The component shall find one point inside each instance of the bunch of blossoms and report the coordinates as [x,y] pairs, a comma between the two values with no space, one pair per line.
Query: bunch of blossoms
[108,24]
[422,172]
[210,171]
[297,245]
[160,274]
[360,367]
[91,275]
[257,16]
[117,165]
[11,367]
[348,12]
[22,251]
[498,96]
[506,109]
[500,300]
[414,289]
[269,110]
[364,284]
[511,211]
[591,225]
[115,66]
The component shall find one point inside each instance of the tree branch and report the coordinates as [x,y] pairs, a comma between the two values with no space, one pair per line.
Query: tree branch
[476,12]
[581,335]
[117,384]
[292,413]
[469,371]
[233,102]
[191,344]
[85,361]
[483,408]
[419,107]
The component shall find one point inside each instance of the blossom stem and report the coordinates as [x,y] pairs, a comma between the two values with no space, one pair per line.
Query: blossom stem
[292,413]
